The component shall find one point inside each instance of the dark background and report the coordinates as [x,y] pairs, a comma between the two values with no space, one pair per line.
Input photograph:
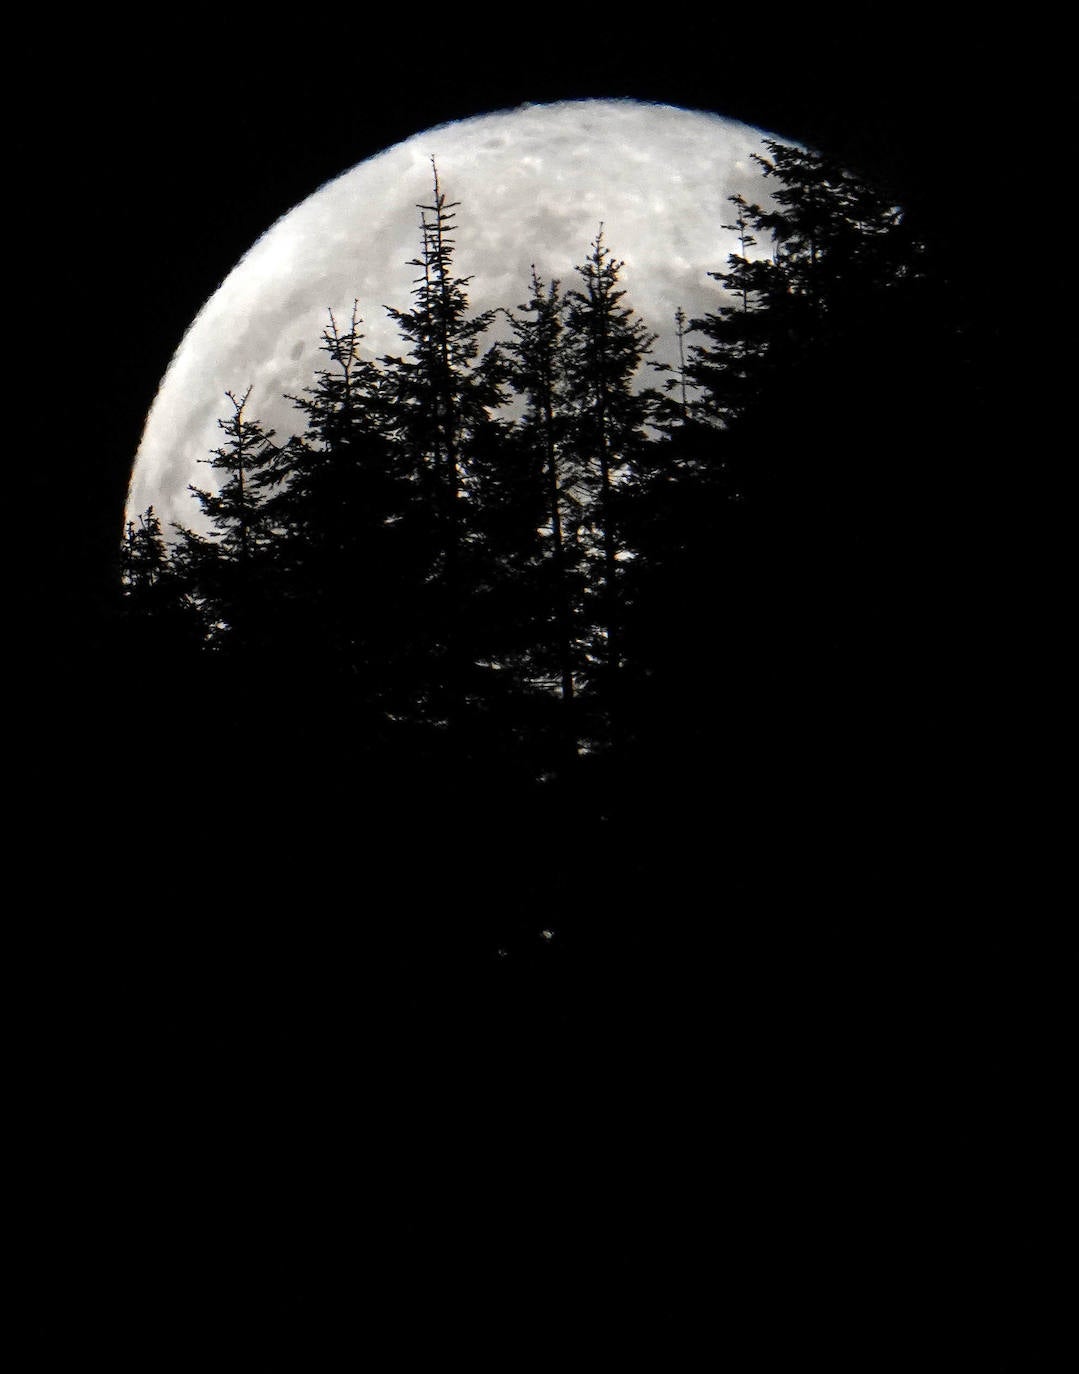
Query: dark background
[248,1163]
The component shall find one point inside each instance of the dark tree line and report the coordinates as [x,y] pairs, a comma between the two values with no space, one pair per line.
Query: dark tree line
[520,623]
[429,571]
[537,731]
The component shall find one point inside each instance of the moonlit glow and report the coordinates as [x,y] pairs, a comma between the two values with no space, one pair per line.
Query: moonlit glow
[534,184]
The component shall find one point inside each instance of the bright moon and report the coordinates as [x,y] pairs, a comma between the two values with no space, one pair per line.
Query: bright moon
[534,184]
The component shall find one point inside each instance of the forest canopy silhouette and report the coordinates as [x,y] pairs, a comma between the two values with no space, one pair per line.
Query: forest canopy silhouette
[549,586]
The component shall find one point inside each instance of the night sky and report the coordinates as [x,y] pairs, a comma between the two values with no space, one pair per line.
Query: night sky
[153,160]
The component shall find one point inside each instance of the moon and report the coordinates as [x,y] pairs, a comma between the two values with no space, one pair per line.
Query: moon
[534,184]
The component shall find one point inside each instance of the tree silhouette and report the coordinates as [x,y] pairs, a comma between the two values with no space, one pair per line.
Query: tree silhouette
[606,347]
[441,398]
[610,574]
[226,570]
[837,243]
[536,370]
[345,544]
[143,557]
[161,620]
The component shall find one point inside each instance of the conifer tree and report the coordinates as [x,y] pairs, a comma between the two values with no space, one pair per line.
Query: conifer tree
[339,508]
[727,369]
[536,371]
[226,569]
[830,227]
[791,371]
[606,346]
[672,408]
[143,557]
[442,395]
[157,607]
[836,241]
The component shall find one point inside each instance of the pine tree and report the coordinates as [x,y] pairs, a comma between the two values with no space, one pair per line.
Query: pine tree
[673,409]
[836,243]
[158,612]
[833,230]
[143,557]
[780,536]
[536,372]
[727,370]
[606,346]
[225,570]
[442,395]
[340,510]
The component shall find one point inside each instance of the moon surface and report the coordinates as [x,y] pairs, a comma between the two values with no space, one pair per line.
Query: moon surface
[534,185]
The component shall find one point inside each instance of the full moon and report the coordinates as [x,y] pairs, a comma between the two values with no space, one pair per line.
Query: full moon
[533,184]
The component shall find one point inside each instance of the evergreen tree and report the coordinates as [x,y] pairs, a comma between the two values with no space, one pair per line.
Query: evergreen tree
[727,369]
[161,620]
[227,570]
[834,231]
[143,558]
[672,407]
[605,348]
[837,241]
[536,372]
[442,395]
[340,509]
[770,540]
